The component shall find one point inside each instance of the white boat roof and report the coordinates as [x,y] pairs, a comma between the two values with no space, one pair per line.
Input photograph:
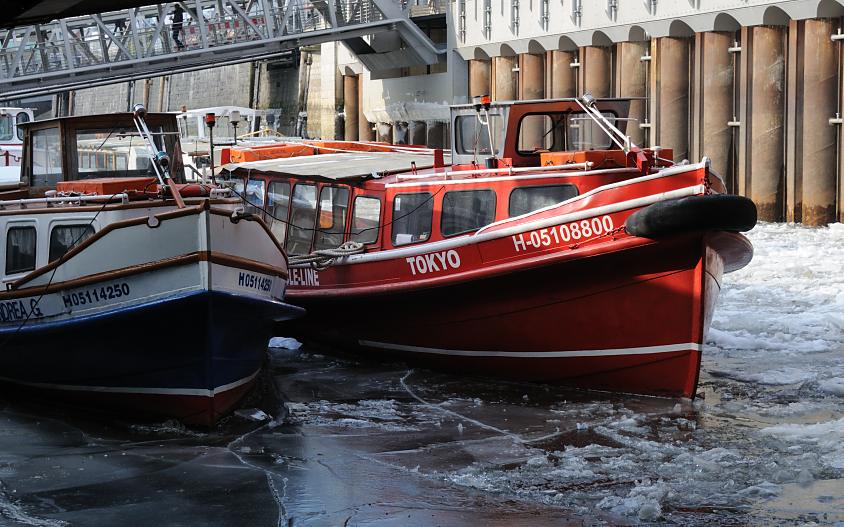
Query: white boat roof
[339,166]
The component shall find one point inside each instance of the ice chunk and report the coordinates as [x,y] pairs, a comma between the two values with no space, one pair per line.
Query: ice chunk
[252,414]
[285,343]
[834,386]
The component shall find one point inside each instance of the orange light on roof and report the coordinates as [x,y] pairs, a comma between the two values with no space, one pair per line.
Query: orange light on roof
[486,99]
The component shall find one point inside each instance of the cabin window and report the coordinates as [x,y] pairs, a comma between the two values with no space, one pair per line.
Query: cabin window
[21,118]
[529,199]
[471,134]
[333,206]
[6,127]
[585,134]
[103,146]
[412,214]
[20,249]
[366,219]
[278,205]
[542,132]
[64,237]
[255,196]
[46,157]
[466,211]
[302,219]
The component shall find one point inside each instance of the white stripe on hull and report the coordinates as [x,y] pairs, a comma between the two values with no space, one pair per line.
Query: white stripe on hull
[667,348]
[143,391]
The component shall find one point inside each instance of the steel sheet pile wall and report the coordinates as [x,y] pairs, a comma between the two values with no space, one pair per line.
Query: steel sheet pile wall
[757,89]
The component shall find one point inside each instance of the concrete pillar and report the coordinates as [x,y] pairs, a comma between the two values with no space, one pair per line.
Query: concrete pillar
[400,133]
[479,71]
[417,133]
[505,83]
[595,71]
[350,107]
[670,94]
[712,103]
[560,77]
[436,134]
[384,132]
[630,80]
[761,112]
[811,175]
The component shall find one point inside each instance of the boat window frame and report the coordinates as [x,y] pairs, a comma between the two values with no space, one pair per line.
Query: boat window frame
[291,226]
[28,174]
[430,198]
[66,223]
[568,114]
[443,211]
[318,228]
[248,205]
[378,224]
[13,226]
[271,207]
[543,185]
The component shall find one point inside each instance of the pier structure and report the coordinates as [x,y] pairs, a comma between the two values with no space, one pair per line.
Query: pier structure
[754,85]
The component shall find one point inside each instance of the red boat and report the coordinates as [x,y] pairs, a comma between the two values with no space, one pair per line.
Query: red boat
[552,249]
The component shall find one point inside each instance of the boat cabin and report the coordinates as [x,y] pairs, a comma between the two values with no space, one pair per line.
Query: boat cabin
[40,225]
[95,146]
[508,159]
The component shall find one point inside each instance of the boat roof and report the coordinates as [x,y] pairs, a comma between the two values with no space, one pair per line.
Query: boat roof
[345,166]
[535,101]
[121,118]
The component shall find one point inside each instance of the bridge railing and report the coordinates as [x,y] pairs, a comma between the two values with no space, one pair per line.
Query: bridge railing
[146,33]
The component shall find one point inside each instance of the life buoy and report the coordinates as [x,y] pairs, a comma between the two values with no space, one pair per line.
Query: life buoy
[715,212]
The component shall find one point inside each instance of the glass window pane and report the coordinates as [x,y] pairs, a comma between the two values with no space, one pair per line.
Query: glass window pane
[528,199]
[278,205]
[412,215]
[334,203]
[46,158]
[471,133]
[467,210]
[64,237]
[585,134]
[255,196]
[20,250]
[21,118]
[542,132]
[6,128]
[103,147]
[367,216]
[302,219]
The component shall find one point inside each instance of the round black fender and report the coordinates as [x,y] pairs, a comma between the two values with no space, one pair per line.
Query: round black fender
[715,212]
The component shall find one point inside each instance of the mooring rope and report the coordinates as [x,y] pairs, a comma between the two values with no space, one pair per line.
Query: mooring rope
[324,258]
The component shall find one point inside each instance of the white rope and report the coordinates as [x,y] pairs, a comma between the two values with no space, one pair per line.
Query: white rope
[324,258]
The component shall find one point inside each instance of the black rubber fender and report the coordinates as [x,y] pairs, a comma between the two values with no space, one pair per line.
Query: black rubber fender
[714,212]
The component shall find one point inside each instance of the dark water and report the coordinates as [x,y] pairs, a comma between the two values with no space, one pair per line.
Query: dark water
[381,444]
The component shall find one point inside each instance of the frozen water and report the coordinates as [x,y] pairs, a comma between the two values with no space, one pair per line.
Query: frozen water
[369,444]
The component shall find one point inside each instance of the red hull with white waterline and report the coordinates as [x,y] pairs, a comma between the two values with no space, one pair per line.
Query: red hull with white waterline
[610,285]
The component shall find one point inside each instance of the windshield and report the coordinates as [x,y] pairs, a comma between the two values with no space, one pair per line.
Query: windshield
[118,152]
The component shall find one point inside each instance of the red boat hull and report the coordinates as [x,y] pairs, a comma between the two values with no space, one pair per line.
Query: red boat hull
[630,320]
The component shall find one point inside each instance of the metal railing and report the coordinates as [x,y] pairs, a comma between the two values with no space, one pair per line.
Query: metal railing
[184,31]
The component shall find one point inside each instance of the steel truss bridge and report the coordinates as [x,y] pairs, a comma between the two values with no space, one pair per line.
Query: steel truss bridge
[141,42]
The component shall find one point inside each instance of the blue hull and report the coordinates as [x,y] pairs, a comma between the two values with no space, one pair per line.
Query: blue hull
[190,356]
